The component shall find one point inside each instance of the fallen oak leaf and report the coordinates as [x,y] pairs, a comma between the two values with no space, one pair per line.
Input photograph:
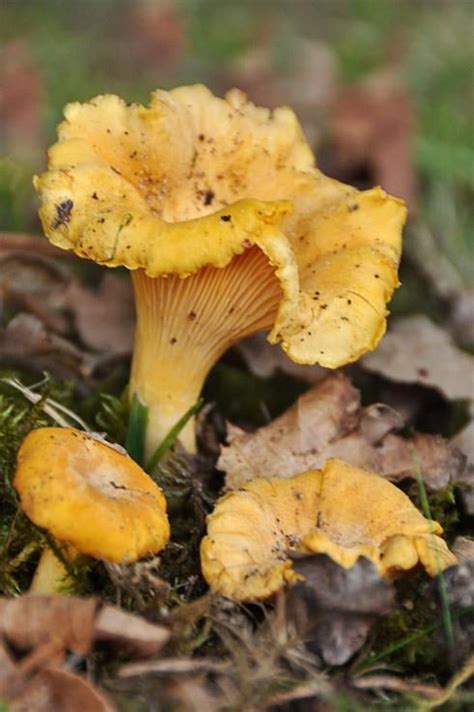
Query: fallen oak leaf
[317,418]
[326,422]
[441,462]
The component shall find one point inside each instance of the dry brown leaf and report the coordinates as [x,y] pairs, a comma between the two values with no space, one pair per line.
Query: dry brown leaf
[334,609]
[105,319]
[328,422]
[75,623]
[131,634]
[317,418]
[26,342]
[31,620]
[56,690]
[156,33]
[417,351]
[20,100]
[7,666]
[33,283]
[371,128]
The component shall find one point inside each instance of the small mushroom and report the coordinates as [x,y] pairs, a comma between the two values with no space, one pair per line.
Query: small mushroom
[92,498]
[340,511]
[217,208]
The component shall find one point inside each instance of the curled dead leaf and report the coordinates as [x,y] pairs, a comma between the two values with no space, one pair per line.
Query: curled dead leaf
[326,422]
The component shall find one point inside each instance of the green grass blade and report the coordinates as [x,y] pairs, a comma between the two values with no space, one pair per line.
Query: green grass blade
[397,645]
[443,594]
[136,431]
[172,435]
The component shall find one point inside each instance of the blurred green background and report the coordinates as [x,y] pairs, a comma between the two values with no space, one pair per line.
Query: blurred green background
[411,59]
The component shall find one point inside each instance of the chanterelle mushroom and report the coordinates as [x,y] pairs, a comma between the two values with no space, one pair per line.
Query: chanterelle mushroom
[90,497]
[218,209]
[340,511]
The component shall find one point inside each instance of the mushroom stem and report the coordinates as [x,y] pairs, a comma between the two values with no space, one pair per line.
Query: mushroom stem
[185,324]
[51,575]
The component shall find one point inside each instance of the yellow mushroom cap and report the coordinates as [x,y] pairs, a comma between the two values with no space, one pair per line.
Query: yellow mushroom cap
[194,180]
[89,495]
[217,207]
[340,511]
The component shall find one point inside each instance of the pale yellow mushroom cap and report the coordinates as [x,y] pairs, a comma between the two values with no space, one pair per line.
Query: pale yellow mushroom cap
[194,180]
[90,496]
[340,511]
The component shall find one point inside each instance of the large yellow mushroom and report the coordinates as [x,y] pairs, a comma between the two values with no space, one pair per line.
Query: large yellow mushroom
[217,208]
[92,498]
[340,511]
